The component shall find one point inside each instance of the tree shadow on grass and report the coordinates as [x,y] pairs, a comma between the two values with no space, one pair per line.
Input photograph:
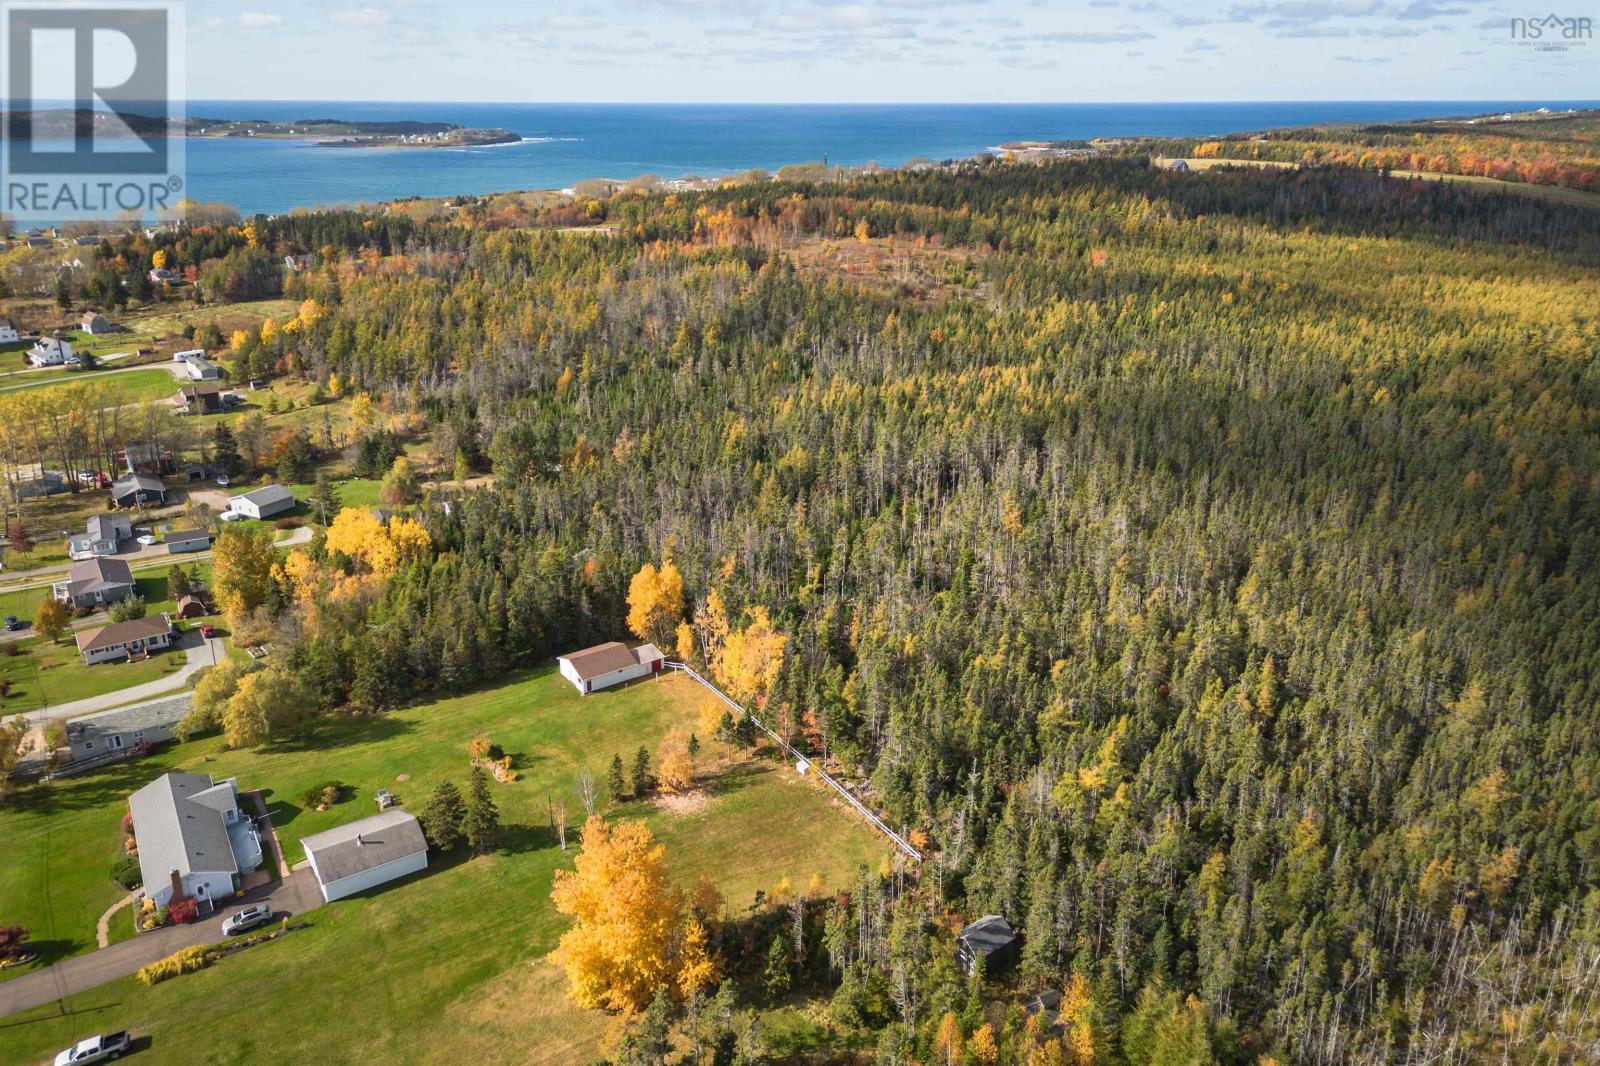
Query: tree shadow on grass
[96,788]
[736,778]
[332,731]
[49,953]
[519,839]
[59,1010]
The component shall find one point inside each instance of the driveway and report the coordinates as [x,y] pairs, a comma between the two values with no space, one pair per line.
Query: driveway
[199,653]
[295,895]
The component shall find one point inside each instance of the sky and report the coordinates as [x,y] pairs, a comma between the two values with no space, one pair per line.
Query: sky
[965,51]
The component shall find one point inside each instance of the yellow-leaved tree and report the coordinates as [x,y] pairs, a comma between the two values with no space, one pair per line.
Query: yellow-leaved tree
[751,659]
[655,603]
[698,968]
[241,570]
[618,954]
[377,547]
[675,763]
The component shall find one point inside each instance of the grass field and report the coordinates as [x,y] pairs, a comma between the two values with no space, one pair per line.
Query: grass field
[448,966]
[150,579]
[43,673]
[127,387]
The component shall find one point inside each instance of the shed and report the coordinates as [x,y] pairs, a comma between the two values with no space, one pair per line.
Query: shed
[264,502]
[95,323]
[990,937]
[604,665]
[191,607]
[366,853]
[188,540]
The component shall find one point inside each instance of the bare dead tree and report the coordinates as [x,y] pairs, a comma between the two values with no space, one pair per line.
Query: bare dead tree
[586,793]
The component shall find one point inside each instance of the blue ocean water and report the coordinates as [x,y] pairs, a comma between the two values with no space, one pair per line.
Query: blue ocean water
[569,142]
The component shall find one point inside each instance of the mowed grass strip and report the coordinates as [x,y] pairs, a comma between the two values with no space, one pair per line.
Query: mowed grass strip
[447,966]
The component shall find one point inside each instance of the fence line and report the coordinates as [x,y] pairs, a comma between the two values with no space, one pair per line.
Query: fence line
[861,808]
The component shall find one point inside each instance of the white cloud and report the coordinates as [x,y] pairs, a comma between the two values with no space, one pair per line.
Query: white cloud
[257,20]
[360,17]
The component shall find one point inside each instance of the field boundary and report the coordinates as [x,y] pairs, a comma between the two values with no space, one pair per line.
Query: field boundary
[862,809]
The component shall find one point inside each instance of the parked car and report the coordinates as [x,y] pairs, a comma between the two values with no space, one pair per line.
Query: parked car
[229,516]
[87,476]
[208,631]
[147,539]
[96,1049]
[247,919]
[222,479]
[13,623]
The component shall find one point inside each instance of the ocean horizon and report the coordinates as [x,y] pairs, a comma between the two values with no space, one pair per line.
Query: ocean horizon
[567,143]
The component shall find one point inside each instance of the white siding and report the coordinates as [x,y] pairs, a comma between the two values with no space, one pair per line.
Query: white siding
[349,886]
[617,677]
[219,886]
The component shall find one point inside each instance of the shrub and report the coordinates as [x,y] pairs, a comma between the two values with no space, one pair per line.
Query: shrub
[183,910]
[125,872]
[188,960]
[324,795]
[286,523]
[8,650]
[127,822]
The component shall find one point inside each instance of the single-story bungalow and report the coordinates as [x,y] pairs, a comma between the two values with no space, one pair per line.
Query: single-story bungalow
[96,581]
[135,489]
[193,839]
[604,665]
[990,937]
[95,323]
[135,638]
[188,540]
[366,853]
[104,534]
[51,351]
[264,502]
[94,735]
[203,369]
[204,399]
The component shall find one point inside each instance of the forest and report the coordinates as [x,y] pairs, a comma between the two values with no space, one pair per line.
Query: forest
[1204,565]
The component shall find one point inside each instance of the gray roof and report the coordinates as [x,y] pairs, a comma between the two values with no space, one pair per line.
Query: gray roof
[91,573]
[364,844]
[124,485]
[105,526]
[156,714]
[188,534]
[177,833]
[267,495]
[989,933]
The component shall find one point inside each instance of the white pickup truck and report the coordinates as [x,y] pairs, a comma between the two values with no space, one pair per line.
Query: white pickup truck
[96,1049]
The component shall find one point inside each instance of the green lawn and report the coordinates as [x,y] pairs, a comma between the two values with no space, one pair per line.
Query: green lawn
[133,386]
[445,967]
[150,579]
[43,673]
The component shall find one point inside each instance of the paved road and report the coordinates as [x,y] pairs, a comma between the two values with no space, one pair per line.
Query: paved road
[45,576]
[294,896]
[198,651]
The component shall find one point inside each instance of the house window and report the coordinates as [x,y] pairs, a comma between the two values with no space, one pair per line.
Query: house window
[114,742]
[138,735]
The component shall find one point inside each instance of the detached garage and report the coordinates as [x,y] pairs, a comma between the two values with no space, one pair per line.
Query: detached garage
[367,853]
[604,665]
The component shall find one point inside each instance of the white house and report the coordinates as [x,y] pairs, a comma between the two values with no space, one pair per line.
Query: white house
[193,839]
[135,638]
[103,536]
[264,502]
[50,351]
[199,367]
[8,332]
[366,853]
[604,665]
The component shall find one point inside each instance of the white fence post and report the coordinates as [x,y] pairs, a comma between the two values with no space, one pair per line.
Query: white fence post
[861,808]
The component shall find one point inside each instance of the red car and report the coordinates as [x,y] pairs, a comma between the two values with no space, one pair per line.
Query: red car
[208,631]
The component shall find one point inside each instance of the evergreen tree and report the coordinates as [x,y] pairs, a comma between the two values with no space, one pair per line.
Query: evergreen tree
[775,976]
[444,818]
[482,821]
[225,450]
[615,783]
[641,772]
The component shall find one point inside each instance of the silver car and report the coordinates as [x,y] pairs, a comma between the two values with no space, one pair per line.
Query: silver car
[246,919]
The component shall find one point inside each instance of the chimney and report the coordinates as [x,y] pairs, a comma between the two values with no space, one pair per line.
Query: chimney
[177,886]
